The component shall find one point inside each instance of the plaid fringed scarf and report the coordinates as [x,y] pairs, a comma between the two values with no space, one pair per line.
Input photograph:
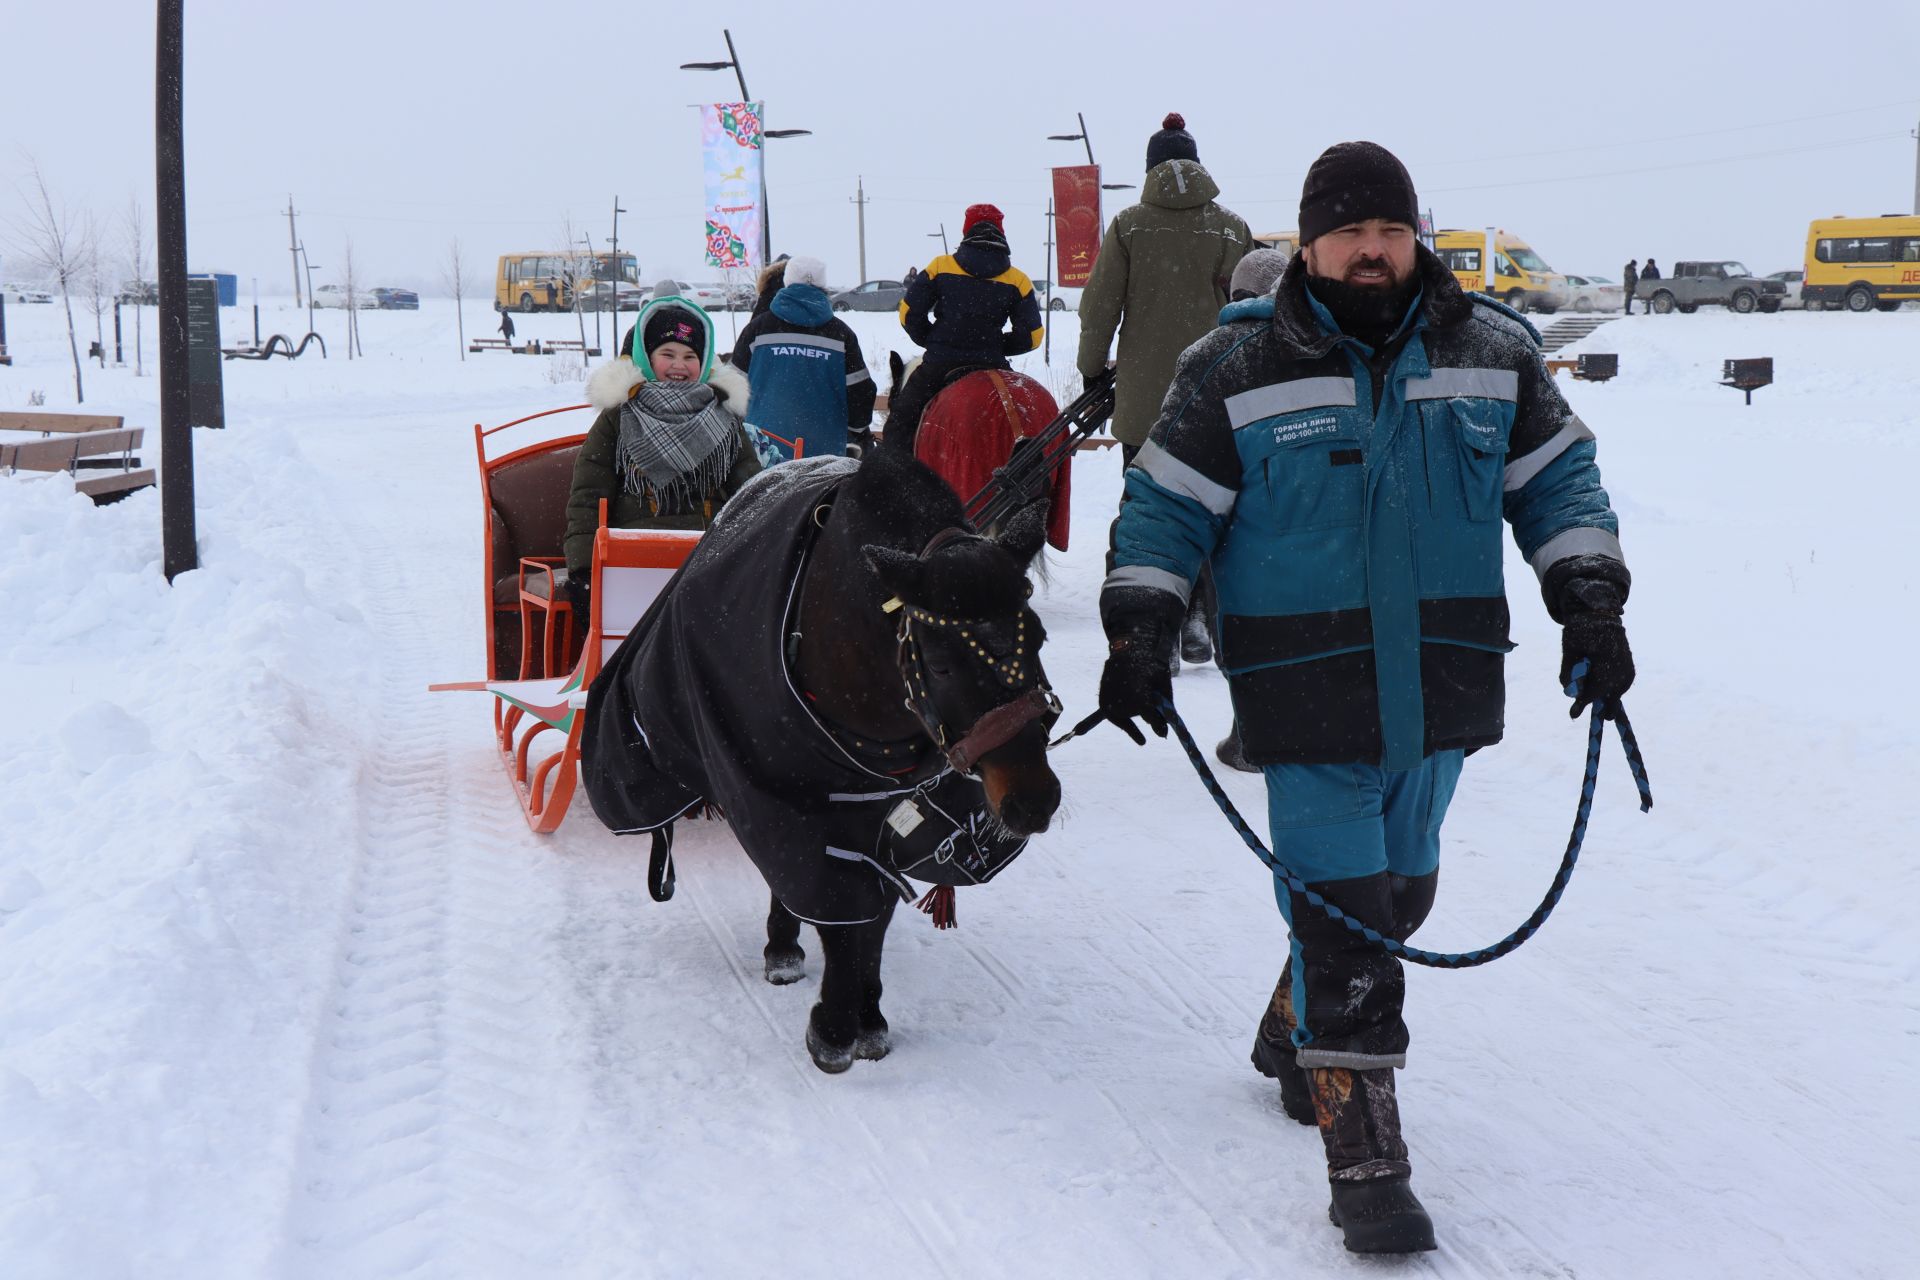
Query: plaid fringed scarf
[677,444]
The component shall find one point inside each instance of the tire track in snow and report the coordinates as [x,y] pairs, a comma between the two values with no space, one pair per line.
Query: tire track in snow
[427,1141]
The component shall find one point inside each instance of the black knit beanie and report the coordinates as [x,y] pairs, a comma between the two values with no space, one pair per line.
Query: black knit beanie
[674,324]
[1354,181]
[1173,142]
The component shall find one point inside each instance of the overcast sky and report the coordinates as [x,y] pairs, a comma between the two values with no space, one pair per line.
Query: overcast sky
[1595,132]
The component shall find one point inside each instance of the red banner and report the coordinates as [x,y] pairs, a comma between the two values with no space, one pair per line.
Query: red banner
[1076,223]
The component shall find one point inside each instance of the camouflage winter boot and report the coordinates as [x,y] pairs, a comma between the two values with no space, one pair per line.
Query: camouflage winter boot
[1273,1054]
[1373,1200]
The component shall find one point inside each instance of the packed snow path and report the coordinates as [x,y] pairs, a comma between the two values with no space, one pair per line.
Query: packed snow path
[292,992]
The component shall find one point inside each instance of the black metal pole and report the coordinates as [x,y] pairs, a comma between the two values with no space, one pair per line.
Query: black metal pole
[179,553]
[766,220]
[1081,117]
[119,356]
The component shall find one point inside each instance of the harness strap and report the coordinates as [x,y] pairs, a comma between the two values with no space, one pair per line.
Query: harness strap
[998,727]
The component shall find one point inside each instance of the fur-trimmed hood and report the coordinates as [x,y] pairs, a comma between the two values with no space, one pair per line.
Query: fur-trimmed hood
[615,380]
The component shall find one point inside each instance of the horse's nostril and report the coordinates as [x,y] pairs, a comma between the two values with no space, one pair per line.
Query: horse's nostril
[1027,816]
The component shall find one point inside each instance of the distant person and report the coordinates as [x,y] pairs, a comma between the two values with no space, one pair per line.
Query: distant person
[1629,279]
[669,447]
[1651,271]
[1256,275]
[506,325]
[772,279]
[553,296]
[971,309]
[804,366]
[1160,280]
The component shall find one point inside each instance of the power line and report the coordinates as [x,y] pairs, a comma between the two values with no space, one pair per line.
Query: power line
[1673,137]
[1666,168]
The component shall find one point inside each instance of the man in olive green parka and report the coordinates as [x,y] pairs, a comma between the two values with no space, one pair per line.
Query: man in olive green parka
[1161,279]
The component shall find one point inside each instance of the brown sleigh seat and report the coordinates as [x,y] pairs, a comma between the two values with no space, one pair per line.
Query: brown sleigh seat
[527,516]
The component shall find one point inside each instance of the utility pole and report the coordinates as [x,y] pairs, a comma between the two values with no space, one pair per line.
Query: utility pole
[1916,172]
[861,200]
[293,247]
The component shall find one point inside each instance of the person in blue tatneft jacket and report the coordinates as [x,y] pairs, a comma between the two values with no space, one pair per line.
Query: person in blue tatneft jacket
[1343,451]
[809,381]
[970,309]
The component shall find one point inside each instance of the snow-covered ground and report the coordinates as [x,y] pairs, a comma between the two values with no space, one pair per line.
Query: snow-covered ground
[288,989]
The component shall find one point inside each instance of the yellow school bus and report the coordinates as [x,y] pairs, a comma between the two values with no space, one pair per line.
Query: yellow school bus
[545,281]
[1861,263]
[1522,279]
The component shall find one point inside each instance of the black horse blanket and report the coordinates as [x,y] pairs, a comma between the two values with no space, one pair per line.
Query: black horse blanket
[699,704]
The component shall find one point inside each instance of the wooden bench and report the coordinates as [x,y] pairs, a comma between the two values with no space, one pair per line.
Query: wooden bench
[76,443]
[489,344]
[1555,366]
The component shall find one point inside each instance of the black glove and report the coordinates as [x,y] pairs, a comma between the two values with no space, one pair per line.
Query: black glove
[1138,678]
[1594,634]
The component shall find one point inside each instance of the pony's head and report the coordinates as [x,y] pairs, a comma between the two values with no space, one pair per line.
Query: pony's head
[969,651]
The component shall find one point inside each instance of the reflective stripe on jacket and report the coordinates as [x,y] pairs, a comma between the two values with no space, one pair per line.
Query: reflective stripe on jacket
[1351,503]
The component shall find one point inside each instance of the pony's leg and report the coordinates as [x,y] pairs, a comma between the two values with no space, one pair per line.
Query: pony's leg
[874,1042]
[849,994]
[786,961]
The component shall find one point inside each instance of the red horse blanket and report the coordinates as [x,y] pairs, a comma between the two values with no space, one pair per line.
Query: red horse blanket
[970,427]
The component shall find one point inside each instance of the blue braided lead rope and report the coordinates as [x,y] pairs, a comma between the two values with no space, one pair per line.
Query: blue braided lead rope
[1439,959]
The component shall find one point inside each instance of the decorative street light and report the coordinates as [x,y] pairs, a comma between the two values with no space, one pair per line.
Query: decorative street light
[1081,137]
[740,77]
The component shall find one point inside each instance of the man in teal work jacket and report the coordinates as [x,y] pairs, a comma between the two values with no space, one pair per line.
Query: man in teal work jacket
[1344,452]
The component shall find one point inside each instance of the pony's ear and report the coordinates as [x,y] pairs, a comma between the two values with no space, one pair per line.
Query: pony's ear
[901,573]
[1025,531]
[895,367]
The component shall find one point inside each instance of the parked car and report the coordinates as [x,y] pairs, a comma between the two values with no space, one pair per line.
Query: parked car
[1595,293]
[396,299]
[138,293]
[874,295]
[741,295]
[1793,280]
[1065,298]
[24,293]
[335,296]
[711,297]
[1726,283]
[605,295]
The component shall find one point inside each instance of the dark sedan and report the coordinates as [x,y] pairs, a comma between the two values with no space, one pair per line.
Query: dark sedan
[874,295]
[396,299]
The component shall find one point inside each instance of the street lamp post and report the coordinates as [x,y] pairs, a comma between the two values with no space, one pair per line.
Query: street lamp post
[617,276]
[942,233]
[309,264]
[740,77]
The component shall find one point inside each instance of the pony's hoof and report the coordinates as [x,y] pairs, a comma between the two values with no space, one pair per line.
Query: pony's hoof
[785,965]
[875,1041]
[830,1058]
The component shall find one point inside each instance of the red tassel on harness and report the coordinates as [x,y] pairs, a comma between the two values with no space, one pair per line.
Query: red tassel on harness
[938,903]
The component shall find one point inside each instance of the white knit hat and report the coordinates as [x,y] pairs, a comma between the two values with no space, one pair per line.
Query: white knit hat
[807,271]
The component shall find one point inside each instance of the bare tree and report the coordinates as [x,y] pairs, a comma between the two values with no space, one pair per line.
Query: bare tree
[139,254]
[60,245]
[352,285]
[98,278]
[454,275]
[576,271]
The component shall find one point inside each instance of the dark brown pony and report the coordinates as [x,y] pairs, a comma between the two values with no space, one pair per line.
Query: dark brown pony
[896,565]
